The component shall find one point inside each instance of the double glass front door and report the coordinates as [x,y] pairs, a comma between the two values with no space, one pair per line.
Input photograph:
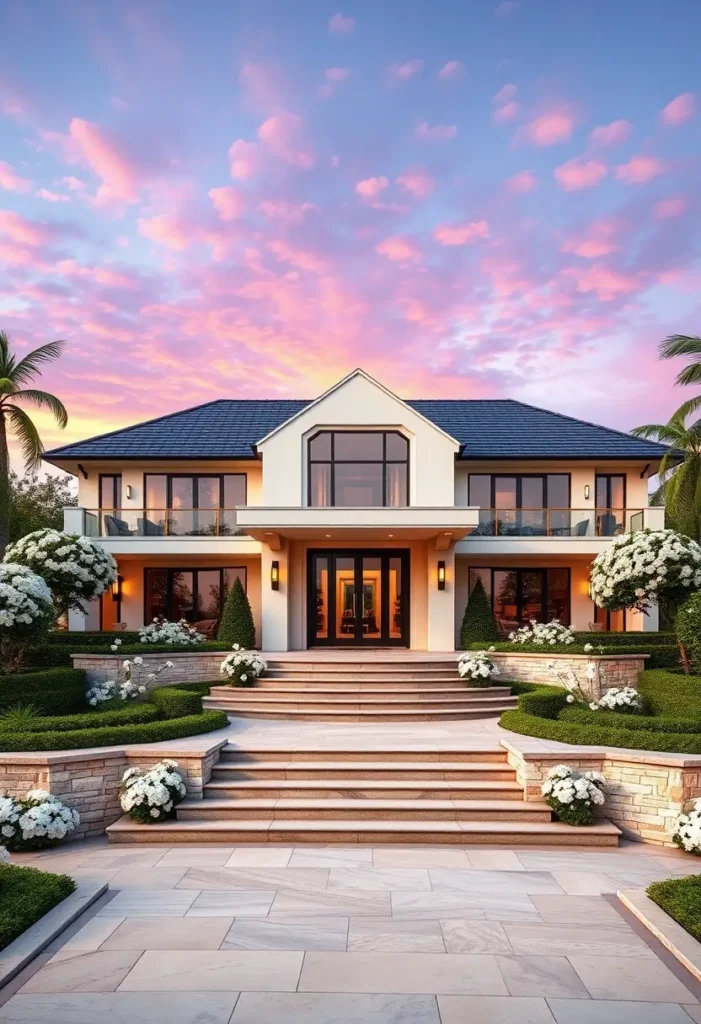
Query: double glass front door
[358,598]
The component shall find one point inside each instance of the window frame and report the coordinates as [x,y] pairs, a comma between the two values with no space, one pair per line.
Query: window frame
[116,505]
[491,569]
[519,477]
[608,477]
[170,570]
[333,462]
[195,490]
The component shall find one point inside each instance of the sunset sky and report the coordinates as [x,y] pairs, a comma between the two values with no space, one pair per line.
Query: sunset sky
[248,199]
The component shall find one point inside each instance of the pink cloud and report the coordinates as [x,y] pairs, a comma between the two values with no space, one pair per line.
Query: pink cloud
[332,79]
[74,184]
[436,131]
[370,188]
[418,183]
[605,283]
[453,69]
[524,181]
[302,259]
[548,129]
[611,134]
[244,159]
[400,72]
[167,230]
[681,109]
[672,207]
[283,135]
[11,181]
[461,234]
[280,209]
[399,249]
[229,202]
[120,182]
[577,174]
[52,197]
[505,113]
[21,229]
[341,25]
[639,170]
[506,93]
[598,240]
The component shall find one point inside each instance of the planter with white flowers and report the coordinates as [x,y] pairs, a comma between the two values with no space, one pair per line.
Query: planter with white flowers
[150,795]
[242,668]
[687,835]
[38,820]
[550,634]
[161,631]
[574,796]
[478,667]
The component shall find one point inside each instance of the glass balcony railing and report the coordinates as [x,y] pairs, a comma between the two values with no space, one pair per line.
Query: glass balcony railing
[181,522]
[559,522]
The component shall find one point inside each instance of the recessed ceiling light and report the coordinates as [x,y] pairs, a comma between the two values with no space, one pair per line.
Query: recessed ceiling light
[390,535]
[327,534]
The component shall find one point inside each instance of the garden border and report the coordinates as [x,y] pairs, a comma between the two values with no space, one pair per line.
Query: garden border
[665,929]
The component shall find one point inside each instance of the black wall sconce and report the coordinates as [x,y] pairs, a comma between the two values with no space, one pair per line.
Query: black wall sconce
[441,575]
[117,589]
[275,576]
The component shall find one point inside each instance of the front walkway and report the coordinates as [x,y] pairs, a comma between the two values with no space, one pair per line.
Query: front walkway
[355,935]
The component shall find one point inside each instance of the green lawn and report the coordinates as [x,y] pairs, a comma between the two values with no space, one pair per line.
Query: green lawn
[681,899]
[26,895]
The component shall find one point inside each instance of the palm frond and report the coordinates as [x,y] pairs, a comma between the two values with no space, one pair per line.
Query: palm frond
[28,368]
[27,435]
[689,407]
[680,345]
[691,374]
[666,433]
[44,400]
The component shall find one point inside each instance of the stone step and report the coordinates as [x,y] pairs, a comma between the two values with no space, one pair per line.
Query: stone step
[357,771]
[370,667]
[254,754]
[318,701]
[380,714]
[375,832]
[454,684]
[364,809]
[355,789]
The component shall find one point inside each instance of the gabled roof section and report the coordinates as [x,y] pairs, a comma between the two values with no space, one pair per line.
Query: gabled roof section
[358,372]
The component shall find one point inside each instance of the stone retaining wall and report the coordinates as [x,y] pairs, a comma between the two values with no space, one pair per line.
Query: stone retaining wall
[188,667]
[89,781]
[645,793]
[611,669]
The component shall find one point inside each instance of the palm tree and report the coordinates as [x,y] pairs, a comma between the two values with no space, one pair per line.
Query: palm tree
[680,471]
[685,345]
[15,374]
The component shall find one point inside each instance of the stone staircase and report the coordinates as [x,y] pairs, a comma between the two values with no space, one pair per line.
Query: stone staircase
[293,796]
[390,690]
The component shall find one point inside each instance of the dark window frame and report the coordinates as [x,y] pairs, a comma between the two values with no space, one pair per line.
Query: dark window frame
[608,477]
[544,570]
[333,461]
[192,476]
[170,570]
[116,491]
[519,477]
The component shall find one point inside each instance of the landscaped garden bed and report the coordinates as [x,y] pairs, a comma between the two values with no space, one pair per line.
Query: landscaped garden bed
[26,895]
[681,899]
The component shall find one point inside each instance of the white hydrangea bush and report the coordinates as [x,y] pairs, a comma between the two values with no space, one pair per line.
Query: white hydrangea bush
[75,568]
[161,631]
[687,835]
[132,684]
[574,796]
[149,795]
[26,605]
[40,819]
[478,667]
[547,634]
[4,855]
[624,699]
[243,667]
[639,568]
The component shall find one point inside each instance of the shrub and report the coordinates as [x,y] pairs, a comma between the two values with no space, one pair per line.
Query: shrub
[573,732]
[128,650]
[26,612]
[150,795]
[687,627]
[630,639]
[78,639]
[38,820]
[25,896]
[174,702]
[544,702]
[57,691]
[478,668]
[624,699]
[242,667]
[640,723]
[160,631]
[237,626]
[46,655]
[90,720]
[671,693]
[543,634]
[573,795]
[119,735]
[681,899]
[478,624]
[640,568]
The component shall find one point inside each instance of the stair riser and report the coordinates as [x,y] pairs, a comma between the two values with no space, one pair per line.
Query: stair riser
[356,814]
[371,716]
[339,703]
[377,686]
[233,755]
[358,775]
[271,793]
[363,668]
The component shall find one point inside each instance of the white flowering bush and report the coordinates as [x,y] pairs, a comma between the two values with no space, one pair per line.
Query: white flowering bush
[131,684]
[242,667]
[160,631]
[26,612]
[572,795]
[624,699]
[4,855]
[478,667]
[687,835]
[548,634]
[40,819]
[637,569]
[75,568]
[150,795]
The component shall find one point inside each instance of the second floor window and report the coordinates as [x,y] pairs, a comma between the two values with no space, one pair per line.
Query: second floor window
[358,469]
[182,505]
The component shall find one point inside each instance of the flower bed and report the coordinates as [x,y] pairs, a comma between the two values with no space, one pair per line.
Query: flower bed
[25,896]
[681,899]
[659,655]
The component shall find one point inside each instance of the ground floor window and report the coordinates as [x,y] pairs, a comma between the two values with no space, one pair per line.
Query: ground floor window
[196,595]
[519,595]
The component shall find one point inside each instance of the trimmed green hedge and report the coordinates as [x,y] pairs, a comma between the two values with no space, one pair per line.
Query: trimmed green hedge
[545,701]
[590,736]
[671,693]
[118,735]
[681,899]
[626,639]
[174,702]
[25,896]
[49,656]
[616,720]
[90,638]
[129,715]
[143,649]
[57,691]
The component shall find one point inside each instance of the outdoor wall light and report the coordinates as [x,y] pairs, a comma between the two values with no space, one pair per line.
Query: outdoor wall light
[589,593]
[586,492]
[275,576]
[129,490]
[117,589]
[441,575]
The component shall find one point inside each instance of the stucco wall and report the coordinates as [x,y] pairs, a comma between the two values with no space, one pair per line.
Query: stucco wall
[133,475]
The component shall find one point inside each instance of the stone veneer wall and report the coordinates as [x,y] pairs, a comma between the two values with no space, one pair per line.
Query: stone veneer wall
[612,669]
[89,781]
[645,793]
[188,667]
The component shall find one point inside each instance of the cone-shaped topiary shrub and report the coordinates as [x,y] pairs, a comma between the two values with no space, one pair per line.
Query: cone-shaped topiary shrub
[237,625]
[478,624]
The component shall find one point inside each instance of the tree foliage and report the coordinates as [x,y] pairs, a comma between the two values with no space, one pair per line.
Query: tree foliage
[38,504]
[237,625]
[478,624]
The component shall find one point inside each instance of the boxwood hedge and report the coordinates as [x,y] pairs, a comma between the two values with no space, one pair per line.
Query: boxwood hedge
[25,896]
[57,691]
[681,899]
[116,735]
[129,715]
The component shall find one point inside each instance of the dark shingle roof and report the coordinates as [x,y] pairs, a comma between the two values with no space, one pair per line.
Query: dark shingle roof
[486,429]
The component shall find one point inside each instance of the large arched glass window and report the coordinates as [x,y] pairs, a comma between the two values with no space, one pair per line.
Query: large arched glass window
[358,469]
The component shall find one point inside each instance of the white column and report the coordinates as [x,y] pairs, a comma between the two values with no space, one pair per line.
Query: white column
[441,603]
[274,626]
[78,620]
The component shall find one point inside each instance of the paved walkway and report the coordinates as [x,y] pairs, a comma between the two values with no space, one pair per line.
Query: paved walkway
[354,935]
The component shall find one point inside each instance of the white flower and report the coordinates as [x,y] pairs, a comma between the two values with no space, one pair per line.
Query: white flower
[160,631]
[242,664]
[615,699]
[477,665]
[570,698]
[138,660]
[74,568]
[545,633]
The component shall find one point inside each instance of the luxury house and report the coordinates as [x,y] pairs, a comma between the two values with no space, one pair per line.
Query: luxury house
[358,518]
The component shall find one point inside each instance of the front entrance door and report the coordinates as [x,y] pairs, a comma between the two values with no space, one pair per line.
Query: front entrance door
[358,598]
